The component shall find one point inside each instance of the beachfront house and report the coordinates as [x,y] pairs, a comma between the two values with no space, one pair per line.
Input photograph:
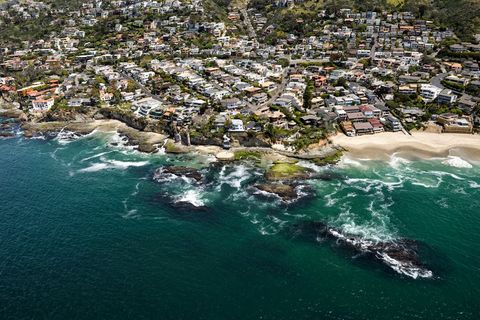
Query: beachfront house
[393,123]
[348,128]
[362,128]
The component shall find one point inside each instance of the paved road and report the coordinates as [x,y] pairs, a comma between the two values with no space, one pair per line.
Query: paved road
[278,93]
[437,80]
[248,24]
[374,47]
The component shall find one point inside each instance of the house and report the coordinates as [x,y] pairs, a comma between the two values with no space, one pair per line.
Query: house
[362,128]
[452,123]
[457,80]
[446,97]
[376,125]
[233,103]
[429,92]
[457,48]
[408,89]
[351,109]
[356,117]
[79,102]
[260,98]
[220,120]
[467,103]
[145,105]
[367,111]
[236,126]
[42,104]
[341,114]
[348,128]
[310,120]
[393,123]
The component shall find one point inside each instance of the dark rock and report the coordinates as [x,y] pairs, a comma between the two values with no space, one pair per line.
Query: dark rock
[147,148]
[6,134]
[180,171]
[401,255]
[284,191]
[329,176]
[187,206]
[179,206]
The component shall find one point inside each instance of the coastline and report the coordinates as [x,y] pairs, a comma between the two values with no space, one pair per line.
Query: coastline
[419,145]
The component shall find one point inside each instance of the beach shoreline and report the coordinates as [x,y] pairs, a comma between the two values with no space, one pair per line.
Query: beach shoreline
[418,146]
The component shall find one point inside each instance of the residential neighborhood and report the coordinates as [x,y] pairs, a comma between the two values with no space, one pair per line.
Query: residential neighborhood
[183,66]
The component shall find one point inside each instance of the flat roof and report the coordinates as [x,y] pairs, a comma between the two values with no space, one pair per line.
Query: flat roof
[362,126]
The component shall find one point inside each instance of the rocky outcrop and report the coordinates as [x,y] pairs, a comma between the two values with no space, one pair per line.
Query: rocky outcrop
[205,141]
[126,117]
[12,114]
[176,148]
[285,171]
[284,191]
[225,156]
[401,255]
[182,171]
[328,176]
[251,140]
[147,148]
[166,174]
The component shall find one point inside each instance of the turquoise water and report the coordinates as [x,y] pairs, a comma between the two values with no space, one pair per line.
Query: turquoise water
[87,234]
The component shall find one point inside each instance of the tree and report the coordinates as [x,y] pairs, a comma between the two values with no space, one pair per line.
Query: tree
[308,95]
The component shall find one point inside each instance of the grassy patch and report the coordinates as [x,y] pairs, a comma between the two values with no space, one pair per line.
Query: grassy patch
[248,155]
[286,171]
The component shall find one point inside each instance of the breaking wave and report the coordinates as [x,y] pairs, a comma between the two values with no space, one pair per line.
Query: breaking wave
[193,197]
[457,162]
[113,164]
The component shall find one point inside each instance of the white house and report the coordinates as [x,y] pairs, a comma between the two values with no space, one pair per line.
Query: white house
[236,126]
[42,104]
[429,92]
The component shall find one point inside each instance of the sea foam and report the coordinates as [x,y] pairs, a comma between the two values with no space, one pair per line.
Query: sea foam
[113,164]
[457,162]
[194,197]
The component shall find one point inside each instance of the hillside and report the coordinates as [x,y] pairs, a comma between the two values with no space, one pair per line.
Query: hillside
[461,15]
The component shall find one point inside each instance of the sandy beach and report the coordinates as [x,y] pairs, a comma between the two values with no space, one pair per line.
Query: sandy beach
[418,145]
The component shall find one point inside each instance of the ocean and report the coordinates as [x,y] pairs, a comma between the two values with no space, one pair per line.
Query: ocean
[89,231]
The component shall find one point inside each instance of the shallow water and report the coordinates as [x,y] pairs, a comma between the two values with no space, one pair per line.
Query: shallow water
[87,233]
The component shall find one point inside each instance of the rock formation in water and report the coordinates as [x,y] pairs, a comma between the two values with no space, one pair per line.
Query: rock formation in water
[401,255]
[284,191]
[165,173]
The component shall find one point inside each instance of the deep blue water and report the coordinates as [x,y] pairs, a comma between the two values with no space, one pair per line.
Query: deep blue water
[87,234]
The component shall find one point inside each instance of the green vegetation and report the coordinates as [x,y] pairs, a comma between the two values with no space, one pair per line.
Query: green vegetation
[171,147]
[247,155]
[286,171]
[308,95]
[460,15]
[329,159]
[453,85]
[308,137]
